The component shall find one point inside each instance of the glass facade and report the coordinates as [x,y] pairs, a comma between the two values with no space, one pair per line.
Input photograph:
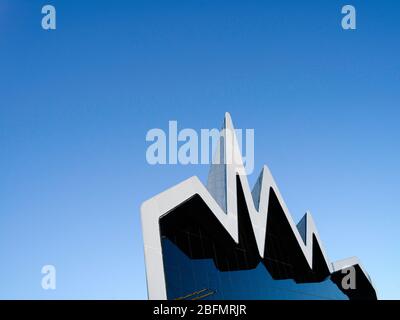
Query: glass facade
[195,279]
[202,261]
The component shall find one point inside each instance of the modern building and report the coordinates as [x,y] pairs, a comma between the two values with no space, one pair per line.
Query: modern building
[225,241]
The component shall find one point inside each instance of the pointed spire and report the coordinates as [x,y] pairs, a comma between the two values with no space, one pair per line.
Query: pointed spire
[227,163]
[217,181]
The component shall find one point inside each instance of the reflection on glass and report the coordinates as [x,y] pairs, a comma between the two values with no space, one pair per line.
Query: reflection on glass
[195,279]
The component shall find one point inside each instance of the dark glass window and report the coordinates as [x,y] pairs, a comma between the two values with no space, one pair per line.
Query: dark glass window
[188,278]
[202,261]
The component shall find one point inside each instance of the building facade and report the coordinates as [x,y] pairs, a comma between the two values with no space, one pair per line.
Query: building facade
[225,241]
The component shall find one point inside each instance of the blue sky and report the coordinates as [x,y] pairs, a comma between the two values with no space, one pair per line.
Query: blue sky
[76,104]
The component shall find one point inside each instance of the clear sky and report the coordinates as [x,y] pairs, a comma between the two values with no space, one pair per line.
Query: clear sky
[76,104]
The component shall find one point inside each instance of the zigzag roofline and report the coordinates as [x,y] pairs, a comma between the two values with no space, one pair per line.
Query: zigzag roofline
[221,197]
